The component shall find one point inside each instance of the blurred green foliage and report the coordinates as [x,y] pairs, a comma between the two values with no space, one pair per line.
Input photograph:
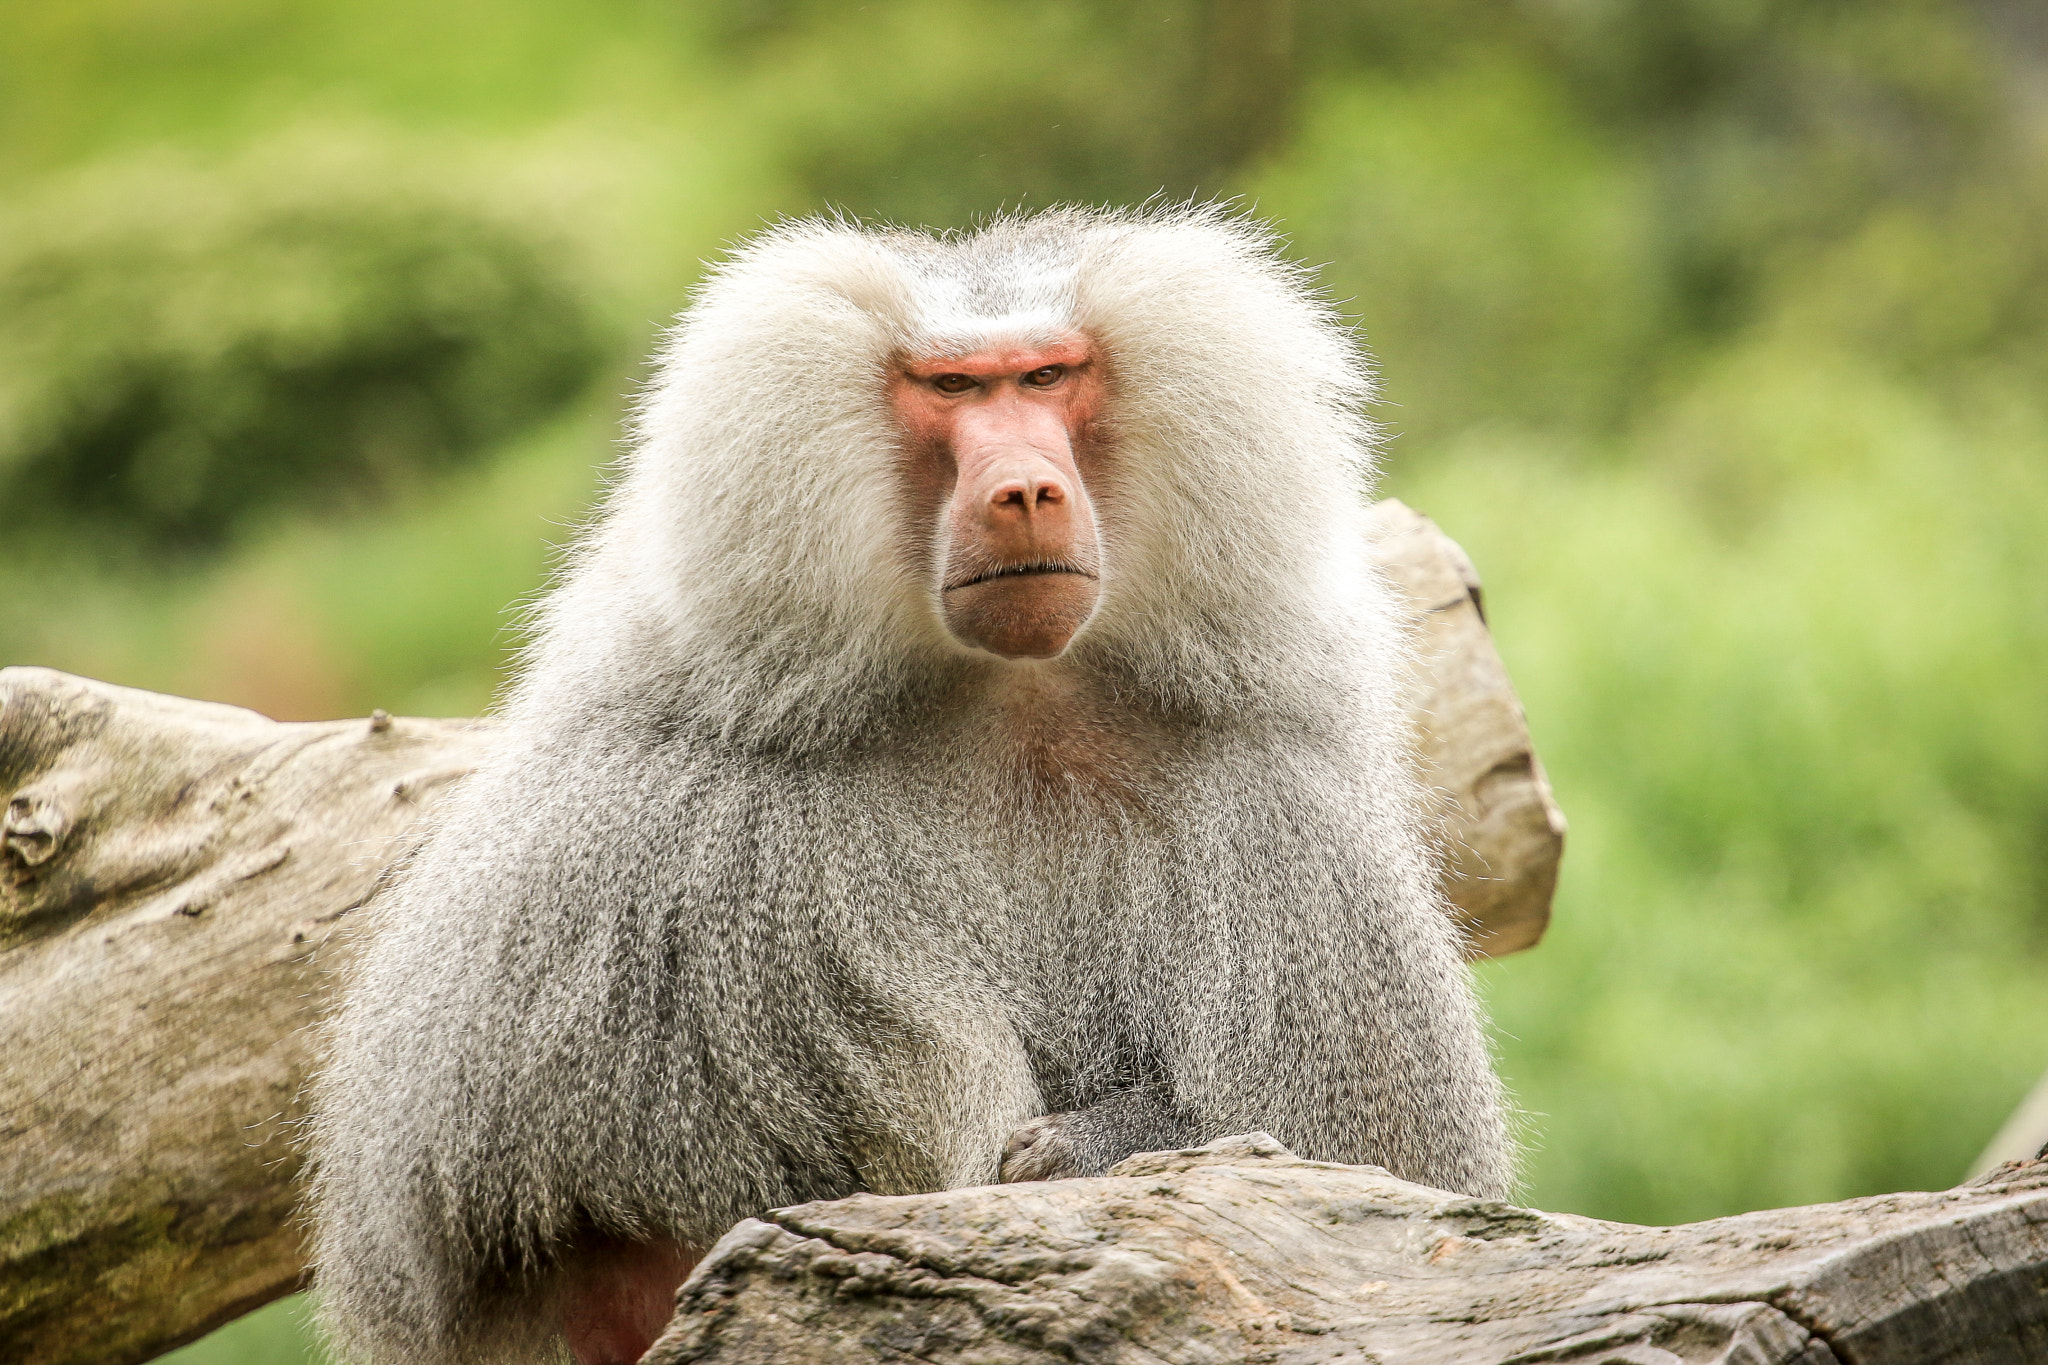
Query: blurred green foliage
[1716,330]
[179,351]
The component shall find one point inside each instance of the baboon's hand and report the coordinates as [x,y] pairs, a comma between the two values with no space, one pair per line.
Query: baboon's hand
[1043,1149]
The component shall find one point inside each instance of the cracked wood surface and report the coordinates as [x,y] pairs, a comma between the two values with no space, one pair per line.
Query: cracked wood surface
[168,869]
[1240,1252]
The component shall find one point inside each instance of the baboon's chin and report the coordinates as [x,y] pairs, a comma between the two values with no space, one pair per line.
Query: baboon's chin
[1021,616]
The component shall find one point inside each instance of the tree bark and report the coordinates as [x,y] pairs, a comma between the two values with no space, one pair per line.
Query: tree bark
[170,873]
[1240,1252]
[1502,832]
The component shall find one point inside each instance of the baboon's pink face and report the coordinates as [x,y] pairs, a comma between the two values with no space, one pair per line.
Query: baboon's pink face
[997,443]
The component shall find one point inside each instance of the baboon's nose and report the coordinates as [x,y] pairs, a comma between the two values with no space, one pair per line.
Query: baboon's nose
[1020,568]
[1029,496]
[1025,506]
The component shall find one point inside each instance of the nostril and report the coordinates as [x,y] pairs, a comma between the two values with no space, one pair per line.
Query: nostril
[1026,496]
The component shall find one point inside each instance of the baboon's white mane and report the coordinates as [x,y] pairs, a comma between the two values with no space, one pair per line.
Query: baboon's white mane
[1230,520]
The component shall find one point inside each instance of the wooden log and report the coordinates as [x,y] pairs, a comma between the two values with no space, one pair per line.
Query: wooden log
[1241,1252]
[169,871]
[1502,832]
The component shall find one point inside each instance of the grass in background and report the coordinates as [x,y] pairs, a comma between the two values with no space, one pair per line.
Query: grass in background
[280,1334]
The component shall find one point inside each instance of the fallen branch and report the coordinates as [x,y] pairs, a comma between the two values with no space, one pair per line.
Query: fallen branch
[169,870]
[1241,1252]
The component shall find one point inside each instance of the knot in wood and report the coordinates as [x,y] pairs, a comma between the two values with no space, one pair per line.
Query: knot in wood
[34,828]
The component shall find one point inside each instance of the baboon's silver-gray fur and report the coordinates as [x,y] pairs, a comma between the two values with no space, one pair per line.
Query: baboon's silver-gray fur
[759,900]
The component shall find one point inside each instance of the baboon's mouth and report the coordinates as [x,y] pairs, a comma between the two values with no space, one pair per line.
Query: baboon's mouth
[1036,569]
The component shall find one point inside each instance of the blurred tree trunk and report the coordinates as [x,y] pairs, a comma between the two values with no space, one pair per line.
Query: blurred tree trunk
[1245,80]
[170,872]
[1241,1252]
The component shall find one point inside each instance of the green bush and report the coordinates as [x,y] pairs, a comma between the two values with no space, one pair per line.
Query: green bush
[1737,401]
[181,349]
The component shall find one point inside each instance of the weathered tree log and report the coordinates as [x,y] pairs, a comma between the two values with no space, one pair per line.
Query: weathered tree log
[1502,832]
[1240,1252]
[169,871]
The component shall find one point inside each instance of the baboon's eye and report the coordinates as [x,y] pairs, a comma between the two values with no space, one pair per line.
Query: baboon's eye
[953,383]
[1046,376]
